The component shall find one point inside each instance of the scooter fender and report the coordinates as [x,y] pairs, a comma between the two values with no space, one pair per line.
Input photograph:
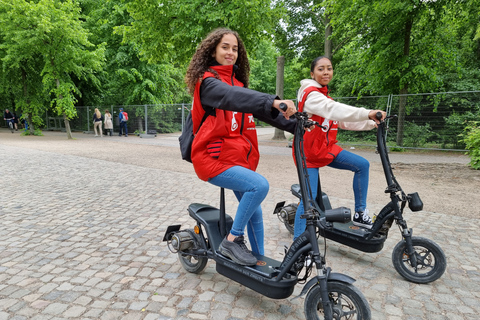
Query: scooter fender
[331,276]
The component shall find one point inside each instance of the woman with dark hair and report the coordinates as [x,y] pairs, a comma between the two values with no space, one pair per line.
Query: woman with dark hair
[320,145]
[225,149]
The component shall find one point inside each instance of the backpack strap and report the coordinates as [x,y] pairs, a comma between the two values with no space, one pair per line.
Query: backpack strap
[205,115]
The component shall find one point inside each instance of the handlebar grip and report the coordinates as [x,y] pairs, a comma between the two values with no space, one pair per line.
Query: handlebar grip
[379,116]
[283,106]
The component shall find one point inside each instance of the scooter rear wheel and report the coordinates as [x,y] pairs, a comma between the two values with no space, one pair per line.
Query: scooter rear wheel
[431,261]
[288,216]
[348,303]
[192,264]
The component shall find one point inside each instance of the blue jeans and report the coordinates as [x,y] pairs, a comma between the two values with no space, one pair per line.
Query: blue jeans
[123,127]
[250,188]
[345,160]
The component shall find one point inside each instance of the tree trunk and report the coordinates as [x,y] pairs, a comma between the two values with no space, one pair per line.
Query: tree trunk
[28,115]
[140,125]
[65,119]
[328,33]
[401,115]
[403,98]
[67,126]
[31,127]
[279,134]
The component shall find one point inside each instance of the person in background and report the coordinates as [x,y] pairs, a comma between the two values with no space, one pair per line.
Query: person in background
[108,124]
[97,123]
[15,121]
[8,116]
[123,123]
[320,145]
[225,149]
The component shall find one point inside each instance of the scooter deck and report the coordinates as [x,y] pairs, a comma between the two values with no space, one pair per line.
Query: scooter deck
[261,278]
[347,233]
[353,236]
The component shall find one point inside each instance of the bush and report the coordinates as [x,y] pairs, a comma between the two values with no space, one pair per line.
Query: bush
[417,136]
[471,138]
[348,136]
[37,132]
[454,125]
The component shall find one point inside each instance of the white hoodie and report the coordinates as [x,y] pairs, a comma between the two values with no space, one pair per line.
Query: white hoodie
[348,117]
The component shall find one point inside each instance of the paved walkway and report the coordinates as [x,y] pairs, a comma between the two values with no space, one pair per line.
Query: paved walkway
[81,238]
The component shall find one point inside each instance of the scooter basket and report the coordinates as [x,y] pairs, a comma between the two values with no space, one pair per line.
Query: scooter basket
[414,202]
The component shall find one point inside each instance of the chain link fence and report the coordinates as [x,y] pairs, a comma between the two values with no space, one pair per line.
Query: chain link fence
[142,119]
[424,121]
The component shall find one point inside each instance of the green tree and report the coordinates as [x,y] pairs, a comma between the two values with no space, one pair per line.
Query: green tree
[128,79]
[20,83]
[306,30]
[263,67]
[170,30]
[397,46]
[53,30]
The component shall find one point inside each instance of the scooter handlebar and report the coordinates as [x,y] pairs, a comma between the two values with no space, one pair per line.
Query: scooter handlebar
[283,106]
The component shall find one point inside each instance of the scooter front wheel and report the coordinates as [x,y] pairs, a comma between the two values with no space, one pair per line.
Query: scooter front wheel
[347,302]
[430,259]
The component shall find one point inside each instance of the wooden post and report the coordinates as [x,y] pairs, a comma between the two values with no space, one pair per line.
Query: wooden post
[279,134]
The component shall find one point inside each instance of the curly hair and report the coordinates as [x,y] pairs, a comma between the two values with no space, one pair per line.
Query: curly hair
[203,59]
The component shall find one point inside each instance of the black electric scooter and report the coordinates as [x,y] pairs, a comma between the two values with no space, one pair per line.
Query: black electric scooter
[329,295]
[417,259]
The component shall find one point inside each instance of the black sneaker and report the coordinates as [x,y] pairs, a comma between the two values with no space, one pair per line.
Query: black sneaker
[362,219]
[237,251]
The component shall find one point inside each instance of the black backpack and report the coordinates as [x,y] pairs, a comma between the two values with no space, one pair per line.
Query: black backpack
[186,138]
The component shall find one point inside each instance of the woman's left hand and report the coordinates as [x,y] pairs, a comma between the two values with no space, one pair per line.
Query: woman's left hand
[291,109]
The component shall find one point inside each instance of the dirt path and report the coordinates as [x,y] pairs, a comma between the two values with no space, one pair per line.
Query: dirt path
[445,183]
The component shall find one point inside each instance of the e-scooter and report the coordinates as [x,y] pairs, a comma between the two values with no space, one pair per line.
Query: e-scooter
[329,295]
[417,259]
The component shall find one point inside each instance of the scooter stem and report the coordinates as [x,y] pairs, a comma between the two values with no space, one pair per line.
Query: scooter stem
[222,221]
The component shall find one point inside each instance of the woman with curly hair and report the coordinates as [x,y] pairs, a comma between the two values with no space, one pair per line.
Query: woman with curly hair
[225,149]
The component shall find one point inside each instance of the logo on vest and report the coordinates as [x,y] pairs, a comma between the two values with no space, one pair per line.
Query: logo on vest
[234,121]
[326,125]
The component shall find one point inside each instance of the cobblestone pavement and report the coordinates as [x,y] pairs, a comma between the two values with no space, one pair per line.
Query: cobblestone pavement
[81,238]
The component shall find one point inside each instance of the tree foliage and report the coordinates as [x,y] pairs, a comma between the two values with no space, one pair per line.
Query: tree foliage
[56,54]
[51,31]
[471,138]
[170,30]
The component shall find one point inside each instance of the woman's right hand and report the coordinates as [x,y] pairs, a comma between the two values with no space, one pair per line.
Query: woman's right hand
[291,109]
[373,115]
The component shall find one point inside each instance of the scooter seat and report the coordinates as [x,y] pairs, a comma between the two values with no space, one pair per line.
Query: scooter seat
[295,189]
[209,217]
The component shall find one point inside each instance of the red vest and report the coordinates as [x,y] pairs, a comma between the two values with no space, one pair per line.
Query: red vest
[320,144]
[235,129]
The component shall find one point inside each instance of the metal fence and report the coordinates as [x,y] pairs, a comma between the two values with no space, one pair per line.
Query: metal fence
[431,120]
[150,119]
